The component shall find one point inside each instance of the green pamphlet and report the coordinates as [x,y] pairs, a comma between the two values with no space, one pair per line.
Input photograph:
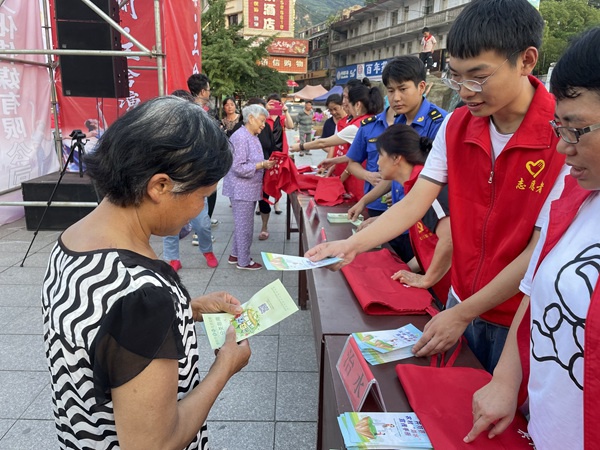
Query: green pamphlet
[266,308]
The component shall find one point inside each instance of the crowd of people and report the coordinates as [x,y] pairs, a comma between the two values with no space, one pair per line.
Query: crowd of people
[492,206]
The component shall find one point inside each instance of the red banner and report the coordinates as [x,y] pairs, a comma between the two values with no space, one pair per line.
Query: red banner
[26,148]
[285,64]
[288,46]
[181,43]
[268,15]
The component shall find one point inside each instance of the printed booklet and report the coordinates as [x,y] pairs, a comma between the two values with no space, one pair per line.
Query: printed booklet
[379,347]
[266,308]
[372,430]
[275,261]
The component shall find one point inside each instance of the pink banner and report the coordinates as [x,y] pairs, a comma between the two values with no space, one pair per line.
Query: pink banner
[26,148]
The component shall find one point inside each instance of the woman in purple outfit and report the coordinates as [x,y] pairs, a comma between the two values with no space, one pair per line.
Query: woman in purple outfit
[243,183]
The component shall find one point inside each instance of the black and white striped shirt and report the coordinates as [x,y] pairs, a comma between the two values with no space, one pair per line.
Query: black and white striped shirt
[95,305]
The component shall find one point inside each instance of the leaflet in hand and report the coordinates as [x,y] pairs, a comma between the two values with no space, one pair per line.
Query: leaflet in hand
[343,218]
[266,308]
[372,430]
[379,347]
[275,261]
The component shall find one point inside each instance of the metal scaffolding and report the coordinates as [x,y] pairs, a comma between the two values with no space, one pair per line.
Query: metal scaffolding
[51,64]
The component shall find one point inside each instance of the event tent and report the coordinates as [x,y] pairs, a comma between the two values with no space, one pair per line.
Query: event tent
[310,92]
[334,90]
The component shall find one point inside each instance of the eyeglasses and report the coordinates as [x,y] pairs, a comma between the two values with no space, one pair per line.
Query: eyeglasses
[472,85]
[569,134]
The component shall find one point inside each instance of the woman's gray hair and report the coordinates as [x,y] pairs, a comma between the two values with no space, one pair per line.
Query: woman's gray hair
[254,111]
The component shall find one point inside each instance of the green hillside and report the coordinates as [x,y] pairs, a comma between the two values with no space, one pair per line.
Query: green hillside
[312,12]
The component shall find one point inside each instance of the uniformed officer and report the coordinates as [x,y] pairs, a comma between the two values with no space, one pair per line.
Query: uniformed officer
[405,80]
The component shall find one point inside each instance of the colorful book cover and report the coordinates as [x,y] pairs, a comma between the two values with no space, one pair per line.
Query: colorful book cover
[383,430]
[266,308]
[276,261]
[385,341]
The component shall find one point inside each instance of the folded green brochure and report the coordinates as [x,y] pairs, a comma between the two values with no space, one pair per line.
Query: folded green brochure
[266,308]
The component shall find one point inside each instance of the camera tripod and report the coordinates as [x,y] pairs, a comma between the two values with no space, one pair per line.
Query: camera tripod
[77,137]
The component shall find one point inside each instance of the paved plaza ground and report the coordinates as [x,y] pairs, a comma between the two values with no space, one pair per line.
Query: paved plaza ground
[270,404]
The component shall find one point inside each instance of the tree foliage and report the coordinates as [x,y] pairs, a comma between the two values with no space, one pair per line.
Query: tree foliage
[564,20]
[230,60]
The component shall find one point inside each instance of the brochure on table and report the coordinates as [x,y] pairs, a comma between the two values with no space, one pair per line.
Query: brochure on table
[266,308]
[379,347]
[391,430]
[276,261]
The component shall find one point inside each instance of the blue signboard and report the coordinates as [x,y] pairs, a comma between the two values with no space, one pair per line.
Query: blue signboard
[371,70]
[343,74]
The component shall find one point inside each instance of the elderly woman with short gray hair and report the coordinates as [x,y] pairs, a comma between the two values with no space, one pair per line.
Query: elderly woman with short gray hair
[243,183]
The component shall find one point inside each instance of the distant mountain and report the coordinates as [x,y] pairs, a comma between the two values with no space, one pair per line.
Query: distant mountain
[313,12]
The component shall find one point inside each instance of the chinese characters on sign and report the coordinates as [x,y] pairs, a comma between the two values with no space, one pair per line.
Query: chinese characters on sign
[288,46]
[285,64]
[269,15]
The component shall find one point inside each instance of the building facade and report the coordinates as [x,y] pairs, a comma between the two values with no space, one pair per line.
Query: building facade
[361,44]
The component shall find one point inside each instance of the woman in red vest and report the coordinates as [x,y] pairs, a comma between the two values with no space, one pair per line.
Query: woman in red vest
[402,153]
[553,346]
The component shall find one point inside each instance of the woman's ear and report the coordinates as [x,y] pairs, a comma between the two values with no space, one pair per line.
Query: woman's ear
[159,185]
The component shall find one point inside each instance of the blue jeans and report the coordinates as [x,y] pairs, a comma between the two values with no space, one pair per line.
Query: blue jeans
[201,226]
[485,339]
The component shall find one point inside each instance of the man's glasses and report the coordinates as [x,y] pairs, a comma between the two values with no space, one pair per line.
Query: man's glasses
[569,134]
[472,85]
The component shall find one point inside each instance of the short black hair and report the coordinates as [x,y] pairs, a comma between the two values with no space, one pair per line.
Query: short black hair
[256,101]
[403,140]
[197,82]
[334,98]
[307,102]
[507,27]
[370,97]
[404,68]
[274,96]
[425,29]
[578,67]
[182,93]
[188,146]
[356,82]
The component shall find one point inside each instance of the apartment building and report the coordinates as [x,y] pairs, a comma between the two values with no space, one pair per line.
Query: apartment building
[361,44]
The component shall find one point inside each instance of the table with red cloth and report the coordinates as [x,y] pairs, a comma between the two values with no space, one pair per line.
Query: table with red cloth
[336,313]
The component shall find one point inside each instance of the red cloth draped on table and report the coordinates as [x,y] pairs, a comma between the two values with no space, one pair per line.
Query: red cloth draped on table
[281,177]
[369,276]
[442,399]
[327,191]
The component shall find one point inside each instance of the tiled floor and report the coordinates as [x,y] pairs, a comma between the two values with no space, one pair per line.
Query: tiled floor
[270,404]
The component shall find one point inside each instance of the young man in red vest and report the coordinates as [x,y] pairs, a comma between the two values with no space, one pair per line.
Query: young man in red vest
[497,156]
[558,322]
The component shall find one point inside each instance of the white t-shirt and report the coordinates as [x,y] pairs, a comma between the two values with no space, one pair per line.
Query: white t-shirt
[560,298]
[348,134]
[436,166]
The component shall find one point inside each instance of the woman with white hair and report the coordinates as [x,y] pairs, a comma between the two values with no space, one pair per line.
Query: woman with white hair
[243,183]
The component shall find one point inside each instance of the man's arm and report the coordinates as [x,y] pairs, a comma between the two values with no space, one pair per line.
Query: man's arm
[444,330]
[395,221]
[495,404]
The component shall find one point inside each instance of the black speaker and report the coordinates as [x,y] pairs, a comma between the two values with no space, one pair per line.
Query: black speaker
[77,10]
[80,28]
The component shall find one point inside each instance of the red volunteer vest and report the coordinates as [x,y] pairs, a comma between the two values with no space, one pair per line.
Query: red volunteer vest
[562,215]
[494,208]
[353,185]
[424,241]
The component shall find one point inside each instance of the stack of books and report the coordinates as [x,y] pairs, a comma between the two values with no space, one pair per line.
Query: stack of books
[379,347]
[371,430]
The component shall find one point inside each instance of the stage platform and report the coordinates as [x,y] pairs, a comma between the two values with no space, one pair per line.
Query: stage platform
[72,188]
